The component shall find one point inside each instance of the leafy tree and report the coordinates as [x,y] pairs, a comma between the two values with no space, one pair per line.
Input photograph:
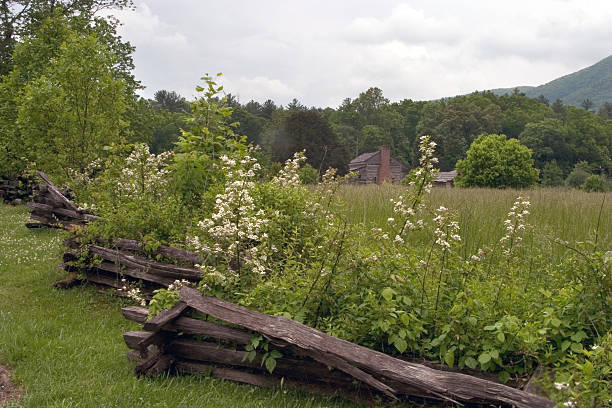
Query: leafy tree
[605,110]
[552,174]
[373,137]
[307,130]
[494,161]
[549,140]
[543,99]
[248,125]
[170,101]
[558,108]
[75,108]
[210,136]
[21,18]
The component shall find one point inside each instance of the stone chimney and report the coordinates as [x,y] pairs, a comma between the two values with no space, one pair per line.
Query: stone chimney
[384,171]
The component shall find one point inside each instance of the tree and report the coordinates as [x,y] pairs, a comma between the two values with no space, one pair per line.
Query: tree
[582,171]
[308,130]
[552,174]
[587,104]
[21,18]
[494,161]
[605,110]
[170,101]
[68,114]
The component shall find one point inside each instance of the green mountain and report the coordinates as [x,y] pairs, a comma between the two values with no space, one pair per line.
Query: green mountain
[594,83]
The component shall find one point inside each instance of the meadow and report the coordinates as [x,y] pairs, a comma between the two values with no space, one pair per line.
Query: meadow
[568,214]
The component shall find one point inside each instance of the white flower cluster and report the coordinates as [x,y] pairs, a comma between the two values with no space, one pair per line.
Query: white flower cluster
[178,284]
[132,292]
[86,176]
[405,212]
[144,173]
[235,226]
[288,176]
[425,173]
[447,229]
[515,224]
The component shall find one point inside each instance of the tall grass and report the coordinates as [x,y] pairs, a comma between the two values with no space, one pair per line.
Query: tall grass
[570,215]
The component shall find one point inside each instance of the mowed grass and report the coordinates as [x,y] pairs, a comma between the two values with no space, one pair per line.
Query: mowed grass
[570,215]
[66,346]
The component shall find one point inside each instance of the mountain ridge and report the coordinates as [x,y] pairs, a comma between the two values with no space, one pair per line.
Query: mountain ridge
[593,82]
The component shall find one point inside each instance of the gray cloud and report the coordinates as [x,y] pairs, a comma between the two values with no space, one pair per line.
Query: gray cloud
[324,51]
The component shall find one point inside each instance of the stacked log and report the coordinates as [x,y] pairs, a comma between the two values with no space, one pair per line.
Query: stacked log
[16,191]
[50,208]
[311,360]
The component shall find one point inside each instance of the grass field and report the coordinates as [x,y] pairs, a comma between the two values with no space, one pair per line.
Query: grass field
[571,215]
[66,346]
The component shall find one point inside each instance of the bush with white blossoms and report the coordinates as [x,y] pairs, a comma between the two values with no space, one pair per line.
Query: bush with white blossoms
[233,237]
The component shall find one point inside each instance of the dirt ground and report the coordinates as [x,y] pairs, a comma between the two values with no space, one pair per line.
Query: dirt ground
[8,390]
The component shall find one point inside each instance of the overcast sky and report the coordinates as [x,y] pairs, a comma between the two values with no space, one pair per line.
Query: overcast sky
[321,52]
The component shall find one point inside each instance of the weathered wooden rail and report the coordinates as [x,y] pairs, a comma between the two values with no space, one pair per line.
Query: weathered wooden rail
[310,359]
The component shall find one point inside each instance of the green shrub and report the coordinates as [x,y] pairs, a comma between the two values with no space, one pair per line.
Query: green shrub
[594,183]
[494,161]
[308,174]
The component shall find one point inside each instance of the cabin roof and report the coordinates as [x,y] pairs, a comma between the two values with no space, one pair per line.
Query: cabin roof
[445,176]
[364,157]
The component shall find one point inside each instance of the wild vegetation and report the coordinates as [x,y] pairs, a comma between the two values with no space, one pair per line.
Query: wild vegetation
[487,280]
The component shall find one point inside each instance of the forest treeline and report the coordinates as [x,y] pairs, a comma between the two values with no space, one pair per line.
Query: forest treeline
[559,136]
[68,92]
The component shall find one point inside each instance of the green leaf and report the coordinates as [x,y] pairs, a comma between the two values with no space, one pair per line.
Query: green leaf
[576,347]
[405,318]
[588,368]
[388,293]
[490,328]
[449,358]
[270,364]
[565,345]
[484,358]
[555,322]
[501,337]
[470,362]
[579,336]
[400,344]
[504,376]
[494,354]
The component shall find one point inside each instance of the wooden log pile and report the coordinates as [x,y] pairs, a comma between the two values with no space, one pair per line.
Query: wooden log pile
[310,360]
[51,208]
[16,191]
